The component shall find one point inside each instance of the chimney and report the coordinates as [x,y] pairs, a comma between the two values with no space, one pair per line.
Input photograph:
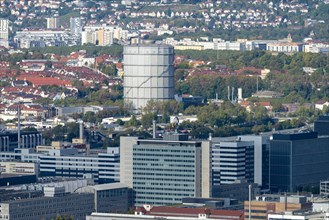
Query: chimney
[81,130]
[154,129]
[19,126]
[210,137]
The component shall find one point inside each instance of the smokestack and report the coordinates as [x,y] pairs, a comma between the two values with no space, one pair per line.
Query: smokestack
[19,126]
[216,96]
[154,128]
[81,130]
[87,149]
[240,94]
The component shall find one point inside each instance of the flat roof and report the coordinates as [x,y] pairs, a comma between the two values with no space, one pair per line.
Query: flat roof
[109,186]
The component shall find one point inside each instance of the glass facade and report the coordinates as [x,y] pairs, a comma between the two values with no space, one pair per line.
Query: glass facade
[298,160]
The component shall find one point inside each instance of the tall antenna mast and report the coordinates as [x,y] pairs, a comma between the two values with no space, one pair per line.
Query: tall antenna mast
[257,82]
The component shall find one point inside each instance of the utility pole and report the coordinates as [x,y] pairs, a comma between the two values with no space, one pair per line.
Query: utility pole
[249,215]
[19,126]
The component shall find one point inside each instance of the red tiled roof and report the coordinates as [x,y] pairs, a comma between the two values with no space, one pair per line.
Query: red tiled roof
[40,81]
[189,212]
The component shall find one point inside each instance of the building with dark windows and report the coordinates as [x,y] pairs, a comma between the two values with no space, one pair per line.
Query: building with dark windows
[298,160]
[232,162]
[322,125]
[48,205]
[9,140]
[113,197]
[163,171]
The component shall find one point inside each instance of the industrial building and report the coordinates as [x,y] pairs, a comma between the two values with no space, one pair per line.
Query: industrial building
[9,140]
[148,74]
[163,171]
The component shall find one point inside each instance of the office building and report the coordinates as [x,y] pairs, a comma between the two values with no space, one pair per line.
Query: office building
[261,158]
[19,168]
[285,47]
[232,163]
[52,23]
[149,74]
[298,160]
[263,205]
[321,125]
[162,172]
[76,26]
[114,197]
[103,167]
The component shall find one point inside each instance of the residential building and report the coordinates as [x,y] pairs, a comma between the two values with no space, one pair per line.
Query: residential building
[105,37]
[162,172]
[52,23]
[76,26]
[189,47]
[298,160]
[4,32]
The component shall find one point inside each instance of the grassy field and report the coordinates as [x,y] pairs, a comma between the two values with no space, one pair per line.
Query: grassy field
[65,19]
